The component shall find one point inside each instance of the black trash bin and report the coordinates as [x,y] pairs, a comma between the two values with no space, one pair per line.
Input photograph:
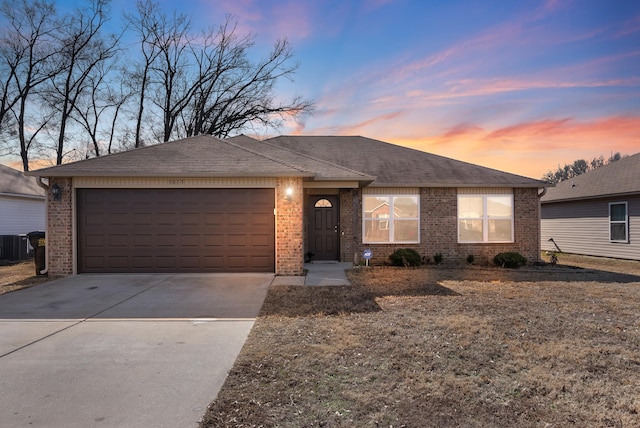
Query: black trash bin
[39,243]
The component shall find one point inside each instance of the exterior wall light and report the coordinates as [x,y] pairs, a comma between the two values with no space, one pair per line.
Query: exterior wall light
[56,192]
[289,193]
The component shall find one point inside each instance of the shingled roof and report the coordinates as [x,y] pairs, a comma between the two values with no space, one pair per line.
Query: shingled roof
[207,156]
[329,158]
[14,183]
[397,166]
[615,179]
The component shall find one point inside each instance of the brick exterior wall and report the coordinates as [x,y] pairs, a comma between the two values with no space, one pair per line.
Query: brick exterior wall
[350,204]
[439,229]
[289,227]
[59,230]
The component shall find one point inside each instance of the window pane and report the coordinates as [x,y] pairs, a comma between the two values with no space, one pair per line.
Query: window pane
[405,207]
[619,232]
[618,212]
[383,221]
[470,230]
[405,230]
[499,206]
[374,233]
[470,206]
[323,203]
[499,230]
[374,206]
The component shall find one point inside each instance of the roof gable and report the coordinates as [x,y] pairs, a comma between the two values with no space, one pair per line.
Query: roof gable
[13,182]
[617,178]
[206,156]
[397,166]
[329,158]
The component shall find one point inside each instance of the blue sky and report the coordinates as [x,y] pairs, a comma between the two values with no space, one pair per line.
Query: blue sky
[520,86]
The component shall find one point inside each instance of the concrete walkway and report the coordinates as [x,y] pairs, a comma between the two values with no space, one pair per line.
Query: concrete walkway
[318,273]
[122,350]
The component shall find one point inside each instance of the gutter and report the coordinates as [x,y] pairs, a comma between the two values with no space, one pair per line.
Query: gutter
[544,192]
[46,216]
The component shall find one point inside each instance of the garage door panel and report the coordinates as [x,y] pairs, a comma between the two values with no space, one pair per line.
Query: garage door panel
[117,241]
[214,240]
[214,219]
[176,230]
[116,262]
[118,219]
[213,262]
[96,241]
[142,241]
[142,262]
[166,262]
[190,219]
[189,240]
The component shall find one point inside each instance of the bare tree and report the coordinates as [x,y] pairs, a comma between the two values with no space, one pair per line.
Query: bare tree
[579,167]
[83,51]
[170,70]
[207,84]
[28,49]
[232,92]
[143,23]
[59,79]
[98,109]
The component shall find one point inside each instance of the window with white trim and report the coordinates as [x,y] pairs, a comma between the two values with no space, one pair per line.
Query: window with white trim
[485,218]
[391,219]
[618,222]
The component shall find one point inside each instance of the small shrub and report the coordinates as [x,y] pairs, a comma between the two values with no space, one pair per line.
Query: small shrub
[470,259]
[405,257]
[437,258]
[510,260]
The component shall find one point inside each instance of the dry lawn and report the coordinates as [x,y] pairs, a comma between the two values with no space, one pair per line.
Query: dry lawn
[19,275]
[550,346]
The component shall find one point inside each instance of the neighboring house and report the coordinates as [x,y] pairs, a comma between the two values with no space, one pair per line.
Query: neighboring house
[596,213]
[203,204]
[22,210]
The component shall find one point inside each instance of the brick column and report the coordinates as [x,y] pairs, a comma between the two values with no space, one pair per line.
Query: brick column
[60,230]
[289,227]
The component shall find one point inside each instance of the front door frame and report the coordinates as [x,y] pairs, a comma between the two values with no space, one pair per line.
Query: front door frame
[331,232]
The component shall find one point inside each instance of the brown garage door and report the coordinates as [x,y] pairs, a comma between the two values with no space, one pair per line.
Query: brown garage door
[176,230]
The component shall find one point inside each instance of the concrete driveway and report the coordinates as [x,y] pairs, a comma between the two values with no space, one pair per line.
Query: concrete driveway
[122,350]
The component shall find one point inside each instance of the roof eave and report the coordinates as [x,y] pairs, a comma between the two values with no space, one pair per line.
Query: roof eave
[590,197]
[22,195]
[462,184]
[182,174]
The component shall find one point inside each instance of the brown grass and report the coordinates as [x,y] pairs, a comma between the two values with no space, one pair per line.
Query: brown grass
[474,347]
[18,276]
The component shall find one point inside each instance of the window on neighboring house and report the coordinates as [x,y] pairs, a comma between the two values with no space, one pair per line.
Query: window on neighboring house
[391,219]
[485,218]
[618,222]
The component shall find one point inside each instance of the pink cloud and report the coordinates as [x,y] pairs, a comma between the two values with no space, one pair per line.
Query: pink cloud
[270,20]
[527,148]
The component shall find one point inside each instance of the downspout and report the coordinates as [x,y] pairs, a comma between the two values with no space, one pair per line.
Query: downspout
[544,192]
[540,195]
[46,216]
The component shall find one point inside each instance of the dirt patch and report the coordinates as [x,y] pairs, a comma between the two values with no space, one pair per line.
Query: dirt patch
[540,346]
[18,276]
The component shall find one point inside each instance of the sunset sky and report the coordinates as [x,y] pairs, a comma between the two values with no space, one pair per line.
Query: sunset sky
[521,86]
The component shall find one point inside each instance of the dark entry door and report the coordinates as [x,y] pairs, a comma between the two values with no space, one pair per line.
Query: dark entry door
[323,227]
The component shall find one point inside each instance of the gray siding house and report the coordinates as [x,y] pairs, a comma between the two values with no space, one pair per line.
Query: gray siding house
[595,214]
[22,210]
